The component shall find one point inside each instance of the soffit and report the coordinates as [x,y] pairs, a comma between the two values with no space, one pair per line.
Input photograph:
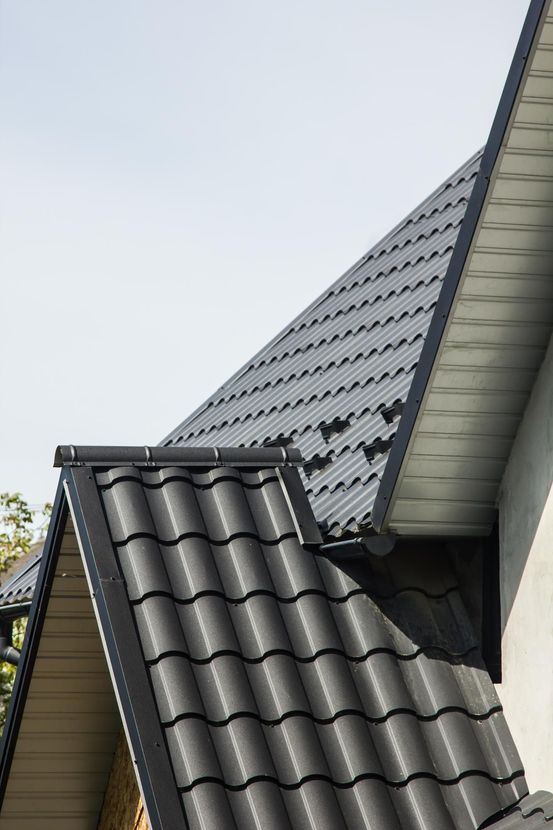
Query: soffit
[496,334]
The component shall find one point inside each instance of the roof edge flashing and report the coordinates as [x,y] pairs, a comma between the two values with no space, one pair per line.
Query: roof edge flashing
[97,456]
[391,478]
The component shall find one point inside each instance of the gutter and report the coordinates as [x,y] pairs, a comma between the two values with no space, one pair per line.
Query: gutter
[8,615]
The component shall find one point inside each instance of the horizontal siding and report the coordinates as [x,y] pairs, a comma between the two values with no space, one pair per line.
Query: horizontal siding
[70,723]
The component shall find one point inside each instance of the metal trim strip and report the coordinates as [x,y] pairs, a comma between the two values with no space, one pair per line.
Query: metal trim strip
[35,625]
[124,654]
[390,478]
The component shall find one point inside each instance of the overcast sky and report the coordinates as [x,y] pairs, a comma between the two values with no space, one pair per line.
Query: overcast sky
[178,179]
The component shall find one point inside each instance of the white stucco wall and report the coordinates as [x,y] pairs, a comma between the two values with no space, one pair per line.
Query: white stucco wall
[526,539]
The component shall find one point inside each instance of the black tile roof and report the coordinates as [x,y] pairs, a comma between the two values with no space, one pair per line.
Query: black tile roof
[20,584]
[293,692]
[346,359]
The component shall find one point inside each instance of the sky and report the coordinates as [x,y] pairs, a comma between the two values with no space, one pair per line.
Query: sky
[179,179]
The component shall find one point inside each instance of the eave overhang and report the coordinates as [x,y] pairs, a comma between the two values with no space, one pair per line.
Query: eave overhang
[492,322]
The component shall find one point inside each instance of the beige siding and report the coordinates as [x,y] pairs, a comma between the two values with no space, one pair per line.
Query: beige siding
[497,335]
[71,722]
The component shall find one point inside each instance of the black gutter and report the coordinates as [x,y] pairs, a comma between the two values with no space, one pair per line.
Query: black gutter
[461,250]
[15,610]
[32,639]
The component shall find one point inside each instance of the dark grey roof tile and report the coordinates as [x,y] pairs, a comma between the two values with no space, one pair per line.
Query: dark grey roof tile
[434,684]
[127,510]
[159,627]
[191,569]
[177,692]
[176,510]
[472,801]
[19,583]
[143,565]
[207,805]
[533,812]
[332,696]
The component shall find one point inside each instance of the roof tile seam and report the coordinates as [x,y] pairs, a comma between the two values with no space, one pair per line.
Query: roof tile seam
[289,600]
[450,656]
[275,409]
[339,713]
[183,474]
[368,303]
[414,240]
[349,333]
[342,485]
[369,776]
[386,274]
[193,534]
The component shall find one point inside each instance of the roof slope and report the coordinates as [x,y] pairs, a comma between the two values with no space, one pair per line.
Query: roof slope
[493,322]
[291,692]
[350,355]
[21,582]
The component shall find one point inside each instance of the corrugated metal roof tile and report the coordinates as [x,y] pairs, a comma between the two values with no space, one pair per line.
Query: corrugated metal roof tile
[291,690]
[20,586]
[349,354]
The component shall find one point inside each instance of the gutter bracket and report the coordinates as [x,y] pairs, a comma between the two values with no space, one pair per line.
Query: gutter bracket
[360,547]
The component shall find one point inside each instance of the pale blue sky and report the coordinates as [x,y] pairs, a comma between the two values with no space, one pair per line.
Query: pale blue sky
[179,179]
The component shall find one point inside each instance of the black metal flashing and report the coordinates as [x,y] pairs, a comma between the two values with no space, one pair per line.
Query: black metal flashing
[491,606]
[459,256]
[34,629]
[308,531]
[72,456]
[140,717]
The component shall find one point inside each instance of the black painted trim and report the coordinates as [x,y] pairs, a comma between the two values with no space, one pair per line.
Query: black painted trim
[491,606]
[384,496]
[35,625]
[147,740]
[91,456]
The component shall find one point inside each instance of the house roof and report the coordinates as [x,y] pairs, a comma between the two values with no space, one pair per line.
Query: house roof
[327,380]
[21,581]
[493,321]
[260,683]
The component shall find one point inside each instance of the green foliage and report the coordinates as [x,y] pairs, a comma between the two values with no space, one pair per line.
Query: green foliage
[17,535]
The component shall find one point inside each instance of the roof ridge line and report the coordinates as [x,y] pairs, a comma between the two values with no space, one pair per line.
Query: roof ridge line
[97,456]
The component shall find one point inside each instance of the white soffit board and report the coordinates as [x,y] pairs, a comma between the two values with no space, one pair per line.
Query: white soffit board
[496,329]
